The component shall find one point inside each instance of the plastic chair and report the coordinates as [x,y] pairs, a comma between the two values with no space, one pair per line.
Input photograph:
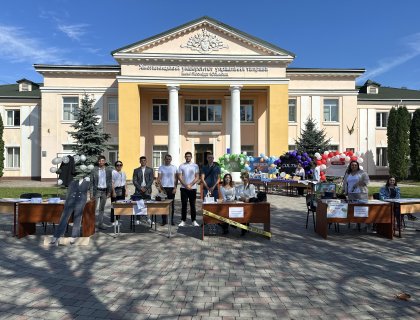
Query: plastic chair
[311,207]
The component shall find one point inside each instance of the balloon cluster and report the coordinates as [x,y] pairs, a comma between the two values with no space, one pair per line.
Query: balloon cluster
[325,159]
[232,163]
[297,157]
[268,162]
[78,160]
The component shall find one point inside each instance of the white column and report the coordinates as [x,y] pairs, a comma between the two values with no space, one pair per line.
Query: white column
[235,119]
[173,123]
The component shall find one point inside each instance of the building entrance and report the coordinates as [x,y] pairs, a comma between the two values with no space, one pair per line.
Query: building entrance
[201,151]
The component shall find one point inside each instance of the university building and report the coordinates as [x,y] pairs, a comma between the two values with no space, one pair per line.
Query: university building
[203,86]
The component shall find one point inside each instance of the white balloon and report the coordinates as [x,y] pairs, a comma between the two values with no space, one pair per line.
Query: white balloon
[323,167]
[76,158]
[329,160]
[326,153]
[83,167]
[342,156]
[66,159]
[359,160]
[357,154]
[59,182]
[57,160]
[317,155]
[90,167]
[361,167]
[283,174]
[82,157]
[87,179]
[53,169]
[347,159]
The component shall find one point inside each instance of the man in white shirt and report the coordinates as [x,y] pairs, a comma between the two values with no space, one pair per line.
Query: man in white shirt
[168,180]
[119,180]
[188,176]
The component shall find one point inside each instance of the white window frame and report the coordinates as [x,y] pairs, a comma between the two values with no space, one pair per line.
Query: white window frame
[293,103]
[249,149]
[381,157]
[12,123]
[112,105]
[158,155]
[113,155]
[382,115]
[14,153]
[72,105]
[328,105]
[161,106]
[208,107]
[247,106]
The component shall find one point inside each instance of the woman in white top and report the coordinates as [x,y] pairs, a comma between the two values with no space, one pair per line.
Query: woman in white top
[355,182]
[245,191]
[228,189]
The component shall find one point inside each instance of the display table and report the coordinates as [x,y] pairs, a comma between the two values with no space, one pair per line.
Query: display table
[407,206]
[154,209]
[31,213]
[252,212]
[269,185]
[9,206]
[379,212]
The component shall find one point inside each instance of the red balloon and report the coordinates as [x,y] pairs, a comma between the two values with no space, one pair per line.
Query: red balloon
[331,154]
[323,161]
[318,162]
[324,156]
[323,178]
[336,153]
[353,158]
[322,173]
[350,153]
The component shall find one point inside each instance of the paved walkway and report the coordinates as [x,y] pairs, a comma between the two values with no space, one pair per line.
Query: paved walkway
[144,275]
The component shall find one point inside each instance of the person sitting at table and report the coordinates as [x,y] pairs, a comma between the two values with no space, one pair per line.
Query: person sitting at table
[355,182]
[228,188]
[391,191]
[246,193]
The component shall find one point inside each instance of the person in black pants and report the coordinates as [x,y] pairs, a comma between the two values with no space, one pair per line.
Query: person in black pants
[119,180]
[167,182]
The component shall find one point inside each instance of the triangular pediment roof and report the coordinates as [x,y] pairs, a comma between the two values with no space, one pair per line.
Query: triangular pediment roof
[191,39]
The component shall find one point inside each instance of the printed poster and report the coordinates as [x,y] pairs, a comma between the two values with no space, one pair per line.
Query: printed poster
[337,210]
[236,212]
[361,212]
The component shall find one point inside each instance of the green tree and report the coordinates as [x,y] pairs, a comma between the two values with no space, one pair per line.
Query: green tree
[1,147]
[312,140]
[88,133]
[398,133]
[415,145]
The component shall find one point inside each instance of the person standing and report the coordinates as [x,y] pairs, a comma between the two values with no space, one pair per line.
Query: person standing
[300,172]
[168,181]
[355,182]
[188,176]
[143,180]
[119,180]
[101,186]
[210,178]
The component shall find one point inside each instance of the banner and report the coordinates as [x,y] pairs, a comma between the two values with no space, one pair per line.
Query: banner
[337,210]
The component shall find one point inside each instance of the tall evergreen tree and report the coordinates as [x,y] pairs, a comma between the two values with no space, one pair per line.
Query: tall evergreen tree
[398,132]
[312,140]
[1,147]
[88,133]
[415,145]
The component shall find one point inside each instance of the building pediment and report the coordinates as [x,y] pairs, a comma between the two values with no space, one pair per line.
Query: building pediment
[205,39]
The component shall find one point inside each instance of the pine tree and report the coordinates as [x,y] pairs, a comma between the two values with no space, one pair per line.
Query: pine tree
[1,147]
[312,140]
[88,133]
[415,145]
[398,132]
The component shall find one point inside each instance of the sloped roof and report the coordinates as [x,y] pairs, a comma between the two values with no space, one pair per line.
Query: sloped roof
[211,21]
[388,93]
[12,91]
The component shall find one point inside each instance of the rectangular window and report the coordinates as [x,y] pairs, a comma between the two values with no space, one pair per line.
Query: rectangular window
[248,149]
[381,119]
[68,149]
[203,110]
[292,147]
[159,153]
[70,104]
[382,157]
[331,110]
[160,110]
[334,147]
[247,111]
[13,157]
[292,110]
[113,155]
[13,118]
[113,109]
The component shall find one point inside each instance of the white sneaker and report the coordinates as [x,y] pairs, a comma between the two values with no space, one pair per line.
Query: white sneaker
[137,222]
[182,224]
[195,224]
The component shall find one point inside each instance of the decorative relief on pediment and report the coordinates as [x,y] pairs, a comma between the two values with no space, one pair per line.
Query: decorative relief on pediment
[204,42]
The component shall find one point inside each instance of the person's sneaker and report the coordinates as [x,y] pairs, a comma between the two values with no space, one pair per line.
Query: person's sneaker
[195,224]
[182,224]
[137,222]
[72,240]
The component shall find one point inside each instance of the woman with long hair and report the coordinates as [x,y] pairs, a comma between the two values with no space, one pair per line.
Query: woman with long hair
[228,188]
[355,182]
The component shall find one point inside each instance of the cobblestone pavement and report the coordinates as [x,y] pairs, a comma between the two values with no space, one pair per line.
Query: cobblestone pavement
[145,275]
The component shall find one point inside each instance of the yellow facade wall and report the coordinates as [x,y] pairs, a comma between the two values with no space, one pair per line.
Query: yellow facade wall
[277,120]
[129,130]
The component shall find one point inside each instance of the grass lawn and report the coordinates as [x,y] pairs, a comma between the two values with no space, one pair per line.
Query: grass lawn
[46,192]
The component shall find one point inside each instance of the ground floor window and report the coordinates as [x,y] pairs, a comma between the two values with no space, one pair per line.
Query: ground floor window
[13,157]
[159,153]
[292,147]
[248,149]
[113,155]
[382,157]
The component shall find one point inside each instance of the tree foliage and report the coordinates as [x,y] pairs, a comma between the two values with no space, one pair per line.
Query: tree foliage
[1,147]
[312,140]
[88,133]
[415,145]
[398,133]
